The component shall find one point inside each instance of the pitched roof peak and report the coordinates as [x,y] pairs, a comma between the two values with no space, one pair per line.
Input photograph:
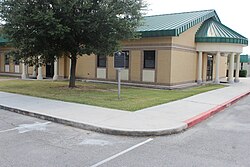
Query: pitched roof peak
[173,24]
[211,10]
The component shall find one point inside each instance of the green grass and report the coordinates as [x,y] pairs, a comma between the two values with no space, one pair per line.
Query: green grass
[8,77]
[104,95]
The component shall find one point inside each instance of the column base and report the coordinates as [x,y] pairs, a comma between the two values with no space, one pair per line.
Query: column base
[236,80]
[33,75]
[39,77]
[24,76]
[199,82]
[217,81]
[55,77]
[231,81]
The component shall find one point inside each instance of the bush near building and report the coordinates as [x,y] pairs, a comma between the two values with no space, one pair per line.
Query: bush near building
[243,73]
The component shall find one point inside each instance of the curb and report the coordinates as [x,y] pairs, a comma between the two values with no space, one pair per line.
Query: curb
[125,132]
[203,116]
[105,130]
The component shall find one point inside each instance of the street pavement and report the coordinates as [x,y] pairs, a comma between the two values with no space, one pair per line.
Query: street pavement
[222,140]
[164,119]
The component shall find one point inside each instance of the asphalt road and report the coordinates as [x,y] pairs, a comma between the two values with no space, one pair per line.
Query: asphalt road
[223,140]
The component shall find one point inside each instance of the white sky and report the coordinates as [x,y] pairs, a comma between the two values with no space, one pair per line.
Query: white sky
[234,14]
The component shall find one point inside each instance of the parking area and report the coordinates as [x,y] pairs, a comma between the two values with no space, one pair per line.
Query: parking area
[222,140]
[27,141]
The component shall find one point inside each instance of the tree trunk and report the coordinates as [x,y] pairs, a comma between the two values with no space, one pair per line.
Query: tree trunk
[72,80]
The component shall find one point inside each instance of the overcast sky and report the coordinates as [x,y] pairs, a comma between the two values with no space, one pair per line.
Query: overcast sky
[234,14]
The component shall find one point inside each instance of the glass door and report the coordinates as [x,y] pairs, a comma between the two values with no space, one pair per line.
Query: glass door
[209,68]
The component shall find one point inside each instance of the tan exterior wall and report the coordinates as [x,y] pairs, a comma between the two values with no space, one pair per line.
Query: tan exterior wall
[163,66]
[30,70]
[187,38]
[12,66]
[183,67]
[136,65]
[223,66]
[61,68]
[2,62]
[147,41]
[85,67]
[111,72]
[64,65]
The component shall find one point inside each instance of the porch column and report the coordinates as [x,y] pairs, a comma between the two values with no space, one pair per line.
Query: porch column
[24,71]
[40,72]
[231,69]
[34,71]
[199,77]
[69,68]
[237,73]
[217,70]
[55,77]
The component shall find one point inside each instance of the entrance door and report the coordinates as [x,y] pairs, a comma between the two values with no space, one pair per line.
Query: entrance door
[49,70]
[209,68]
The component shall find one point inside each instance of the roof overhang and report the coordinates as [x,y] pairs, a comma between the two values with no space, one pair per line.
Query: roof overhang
[220,47]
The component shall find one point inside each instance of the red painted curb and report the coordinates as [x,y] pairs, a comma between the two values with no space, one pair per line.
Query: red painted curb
[203,116]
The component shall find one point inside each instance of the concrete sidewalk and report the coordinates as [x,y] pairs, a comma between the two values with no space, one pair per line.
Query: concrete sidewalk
[164,119]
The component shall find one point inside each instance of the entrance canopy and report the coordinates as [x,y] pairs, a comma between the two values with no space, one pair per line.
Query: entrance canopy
[213,36]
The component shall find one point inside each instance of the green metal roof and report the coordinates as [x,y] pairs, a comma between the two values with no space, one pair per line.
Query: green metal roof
[173,24]
[244,59]
[213,31]
[3,41]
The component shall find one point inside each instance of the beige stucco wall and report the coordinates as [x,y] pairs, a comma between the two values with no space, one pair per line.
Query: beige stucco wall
[85,67]
[2,62]
[223,66]
[183,67]
[163,66]
[111,72]
[187,38]
[61,68]
[64,65]
[147,41]
[136,65]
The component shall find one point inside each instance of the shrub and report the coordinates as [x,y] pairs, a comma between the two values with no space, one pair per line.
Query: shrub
[243,73]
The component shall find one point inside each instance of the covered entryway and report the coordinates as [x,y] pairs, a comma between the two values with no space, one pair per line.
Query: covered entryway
[215,39]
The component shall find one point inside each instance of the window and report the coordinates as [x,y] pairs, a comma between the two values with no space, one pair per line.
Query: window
[149,59]
[126,58]
[7,59]
[16,61]
[101,61]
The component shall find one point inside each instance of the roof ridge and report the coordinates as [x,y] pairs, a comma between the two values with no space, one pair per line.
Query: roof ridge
[212,10]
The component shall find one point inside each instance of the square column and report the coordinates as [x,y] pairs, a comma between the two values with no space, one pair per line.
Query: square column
[34,71]
[217,69]
[55,77]
[24,71]
[199,72]
[231,69]
[237,73]
[40,72]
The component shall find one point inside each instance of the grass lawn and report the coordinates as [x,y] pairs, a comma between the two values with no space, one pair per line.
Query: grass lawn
[97,94]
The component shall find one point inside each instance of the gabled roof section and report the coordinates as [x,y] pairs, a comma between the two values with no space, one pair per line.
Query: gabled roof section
[173,24]
[213,31]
